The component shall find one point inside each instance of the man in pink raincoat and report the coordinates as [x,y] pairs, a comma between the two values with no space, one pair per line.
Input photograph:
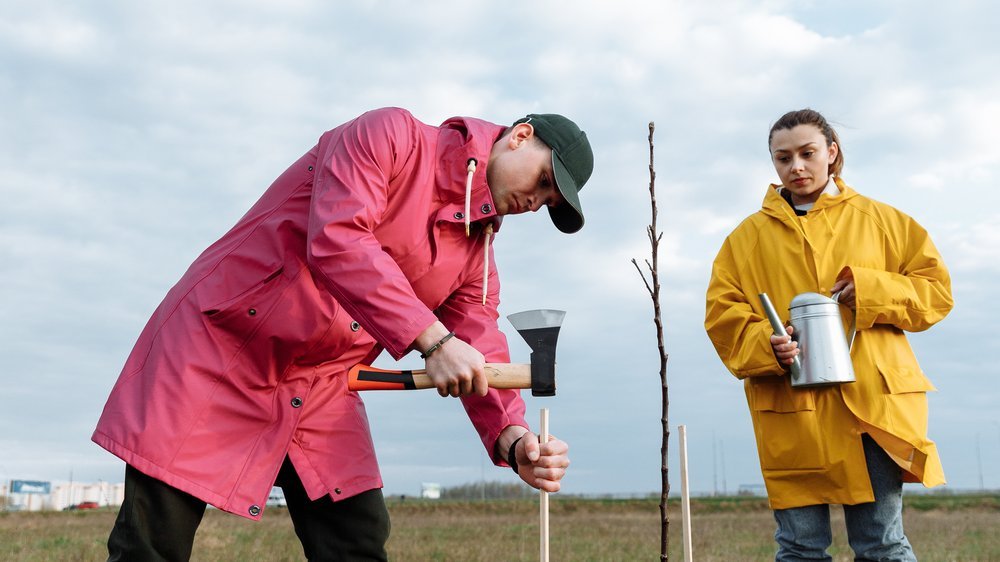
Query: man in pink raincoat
[377,238]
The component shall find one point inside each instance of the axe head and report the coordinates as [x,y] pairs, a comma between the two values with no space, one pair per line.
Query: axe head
[540,329]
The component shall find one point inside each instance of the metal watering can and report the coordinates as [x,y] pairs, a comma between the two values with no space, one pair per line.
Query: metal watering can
[824,351]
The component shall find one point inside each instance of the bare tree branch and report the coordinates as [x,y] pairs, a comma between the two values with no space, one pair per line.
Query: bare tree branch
[654,294]
[636,264]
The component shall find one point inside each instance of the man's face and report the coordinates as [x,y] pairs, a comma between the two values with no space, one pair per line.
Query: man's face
[519,173]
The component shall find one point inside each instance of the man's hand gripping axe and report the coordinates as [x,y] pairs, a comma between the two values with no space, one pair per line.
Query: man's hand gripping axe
[539,328]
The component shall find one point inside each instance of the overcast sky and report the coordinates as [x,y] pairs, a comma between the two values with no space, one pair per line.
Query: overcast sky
[134,134]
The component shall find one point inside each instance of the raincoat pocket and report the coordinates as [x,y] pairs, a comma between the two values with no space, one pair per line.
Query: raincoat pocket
[787,429]
[778,396]
[246,309]
[904,379]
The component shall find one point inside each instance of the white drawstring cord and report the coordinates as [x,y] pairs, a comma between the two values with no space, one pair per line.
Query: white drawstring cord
[487,233]
[468,193]
[486,259]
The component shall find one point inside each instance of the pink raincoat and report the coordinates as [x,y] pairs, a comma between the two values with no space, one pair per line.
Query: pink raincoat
[360,245]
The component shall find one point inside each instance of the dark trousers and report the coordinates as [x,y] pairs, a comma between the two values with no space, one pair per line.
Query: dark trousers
[158,522]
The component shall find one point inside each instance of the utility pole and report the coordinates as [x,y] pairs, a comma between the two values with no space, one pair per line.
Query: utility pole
[482,480]
[715,471]
[722,453]
[979,462]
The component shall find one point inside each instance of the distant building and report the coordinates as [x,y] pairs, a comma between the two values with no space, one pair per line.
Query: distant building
[276,498]
[61,495]
[430,490]
[752,490]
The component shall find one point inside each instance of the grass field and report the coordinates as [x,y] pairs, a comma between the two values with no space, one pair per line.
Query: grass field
[941,528]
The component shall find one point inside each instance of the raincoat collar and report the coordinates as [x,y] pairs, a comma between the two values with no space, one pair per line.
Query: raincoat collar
[459,139]
[775,206]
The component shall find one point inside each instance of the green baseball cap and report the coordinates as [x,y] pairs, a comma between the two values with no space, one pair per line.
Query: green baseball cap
[572,164]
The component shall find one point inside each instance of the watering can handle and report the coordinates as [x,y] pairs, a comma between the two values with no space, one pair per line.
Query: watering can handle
[854,320]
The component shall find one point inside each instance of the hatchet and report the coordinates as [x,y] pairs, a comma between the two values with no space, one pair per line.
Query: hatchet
[539,328]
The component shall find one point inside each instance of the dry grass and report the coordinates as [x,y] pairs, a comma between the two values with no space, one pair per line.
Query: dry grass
[943,529]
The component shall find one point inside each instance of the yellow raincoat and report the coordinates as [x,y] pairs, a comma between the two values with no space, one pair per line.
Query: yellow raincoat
[809,440]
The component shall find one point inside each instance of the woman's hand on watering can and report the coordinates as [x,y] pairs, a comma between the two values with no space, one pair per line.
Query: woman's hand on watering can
[784,348]
[846,289]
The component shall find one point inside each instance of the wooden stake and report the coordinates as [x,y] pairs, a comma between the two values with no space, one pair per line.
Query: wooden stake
[685,495]
[543,497]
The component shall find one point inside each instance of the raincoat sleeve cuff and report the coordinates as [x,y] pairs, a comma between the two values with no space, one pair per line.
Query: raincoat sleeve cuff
[758,357]
[864,317]
[866,309]
[493,413]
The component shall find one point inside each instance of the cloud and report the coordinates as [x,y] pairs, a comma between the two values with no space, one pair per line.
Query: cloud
[975,247]
[50,35]
[136,134]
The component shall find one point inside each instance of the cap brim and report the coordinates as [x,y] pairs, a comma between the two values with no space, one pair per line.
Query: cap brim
[568,216]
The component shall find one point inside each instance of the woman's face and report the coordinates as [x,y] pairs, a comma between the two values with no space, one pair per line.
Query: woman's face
[802,159]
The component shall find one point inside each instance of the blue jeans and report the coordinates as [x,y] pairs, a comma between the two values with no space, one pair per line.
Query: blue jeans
[874,530]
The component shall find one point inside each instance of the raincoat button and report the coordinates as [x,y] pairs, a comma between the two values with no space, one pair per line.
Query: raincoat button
[310,168]
[459,215]
[252,312]
[296,402]
[355,326]
[336,490]
[254,510]
[486,208]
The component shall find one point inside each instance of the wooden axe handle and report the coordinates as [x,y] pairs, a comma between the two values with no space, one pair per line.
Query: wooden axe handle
[498,375]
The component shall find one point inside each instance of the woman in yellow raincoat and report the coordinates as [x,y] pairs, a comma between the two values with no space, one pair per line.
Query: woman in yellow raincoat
[852,444]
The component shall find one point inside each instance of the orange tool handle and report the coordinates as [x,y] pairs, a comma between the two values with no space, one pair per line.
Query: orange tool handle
[498,375]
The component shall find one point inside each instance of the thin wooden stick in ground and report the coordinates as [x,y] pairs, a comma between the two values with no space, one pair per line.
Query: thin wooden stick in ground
[543,497]
[685,494]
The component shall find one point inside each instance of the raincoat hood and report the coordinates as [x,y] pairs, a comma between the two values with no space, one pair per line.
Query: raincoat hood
[776,206]
[461,140]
